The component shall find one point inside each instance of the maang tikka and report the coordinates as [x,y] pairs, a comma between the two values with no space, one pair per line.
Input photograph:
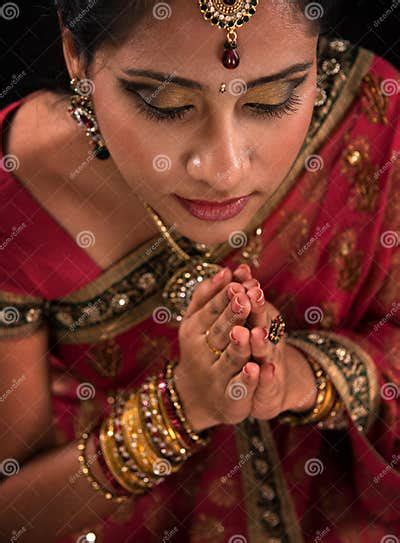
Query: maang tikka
[81,110]
[229,15]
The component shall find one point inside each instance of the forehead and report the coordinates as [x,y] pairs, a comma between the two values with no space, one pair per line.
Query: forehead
[174,37]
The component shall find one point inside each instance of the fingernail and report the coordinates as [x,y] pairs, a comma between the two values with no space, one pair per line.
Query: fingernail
[232,291]
[237,307]
[260,300]
[245,370]
[233,338]
[244,267]
[272,368]
[219,276]
[266,334]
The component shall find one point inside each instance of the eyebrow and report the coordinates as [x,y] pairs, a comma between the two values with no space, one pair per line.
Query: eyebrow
[189,83]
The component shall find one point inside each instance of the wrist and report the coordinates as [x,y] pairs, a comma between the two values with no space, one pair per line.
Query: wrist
[302,387]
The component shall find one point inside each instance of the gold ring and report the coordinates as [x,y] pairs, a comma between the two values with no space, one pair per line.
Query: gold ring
[213,349]
[277,329]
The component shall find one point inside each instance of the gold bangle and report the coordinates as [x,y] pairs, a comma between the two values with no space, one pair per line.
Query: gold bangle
[135,439]
[173,436]
[120,471]
[95,484]
[158,422]
[163,424]
[169,378]
[325,400]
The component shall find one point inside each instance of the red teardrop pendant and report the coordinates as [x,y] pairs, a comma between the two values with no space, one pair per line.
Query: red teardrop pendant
[230,58]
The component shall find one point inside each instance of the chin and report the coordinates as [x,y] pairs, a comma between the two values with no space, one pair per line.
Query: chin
[213,232]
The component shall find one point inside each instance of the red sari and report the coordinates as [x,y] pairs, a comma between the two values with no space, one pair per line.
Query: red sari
[328,259]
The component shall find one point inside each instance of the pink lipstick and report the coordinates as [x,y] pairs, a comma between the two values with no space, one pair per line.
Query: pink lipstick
[215,211]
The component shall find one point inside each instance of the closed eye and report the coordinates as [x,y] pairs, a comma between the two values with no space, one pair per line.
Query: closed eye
[290,105]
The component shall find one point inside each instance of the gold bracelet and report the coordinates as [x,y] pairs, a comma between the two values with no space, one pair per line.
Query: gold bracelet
[120,471]
[169,377]
[173,437]
[95,484]
[326,397]
[164,441]
[135,440]
[337,419]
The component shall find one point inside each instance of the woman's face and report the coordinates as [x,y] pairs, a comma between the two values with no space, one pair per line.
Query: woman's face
[214,146]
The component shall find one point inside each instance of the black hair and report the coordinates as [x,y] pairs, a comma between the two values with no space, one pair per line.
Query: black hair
[96,22]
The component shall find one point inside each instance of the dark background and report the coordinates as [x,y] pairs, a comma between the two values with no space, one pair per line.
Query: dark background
[30,42]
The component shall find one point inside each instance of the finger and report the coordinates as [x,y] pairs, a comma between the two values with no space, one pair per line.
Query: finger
[243,385]
[236,354]
[259,315]
[242,273]
[236,312]
[261,347]
[266,393]
[225,311]
[251,283]
[206,290]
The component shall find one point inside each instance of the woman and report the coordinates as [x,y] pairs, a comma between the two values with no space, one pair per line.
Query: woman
[200,331]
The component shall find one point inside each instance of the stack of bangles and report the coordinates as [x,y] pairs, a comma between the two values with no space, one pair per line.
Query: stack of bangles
[145,438]
[328,412]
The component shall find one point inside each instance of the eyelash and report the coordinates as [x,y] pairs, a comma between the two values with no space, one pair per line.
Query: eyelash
[291,105]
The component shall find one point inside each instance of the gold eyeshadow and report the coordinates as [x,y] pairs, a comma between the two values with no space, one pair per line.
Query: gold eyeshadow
[170,96]
[273,93]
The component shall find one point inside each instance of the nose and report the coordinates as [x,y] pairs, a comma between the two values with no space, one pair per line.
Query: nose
[223,156]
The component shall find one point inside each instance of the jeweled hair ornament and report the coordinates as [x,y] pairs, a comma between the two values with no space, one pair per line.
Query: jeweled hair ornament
[229,15]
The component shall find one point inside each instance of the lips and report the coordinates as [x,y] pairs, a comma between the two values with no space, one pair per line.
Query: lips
[215,211]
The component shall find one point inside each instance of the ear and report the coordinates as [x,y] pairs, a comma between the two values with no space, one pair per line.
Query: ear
[72,59]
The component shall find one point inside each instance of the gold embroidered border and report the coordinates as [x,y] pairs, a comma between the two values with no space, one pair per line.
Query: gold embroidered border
[289,524]
[337,376]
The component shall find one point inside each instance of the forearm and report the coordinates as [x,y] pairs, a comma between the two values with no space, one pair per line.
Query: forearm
[50,495]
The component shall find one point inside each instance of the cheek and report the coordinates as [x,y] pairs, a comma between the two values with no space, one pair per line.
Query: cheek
[289,134]
[135,144]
